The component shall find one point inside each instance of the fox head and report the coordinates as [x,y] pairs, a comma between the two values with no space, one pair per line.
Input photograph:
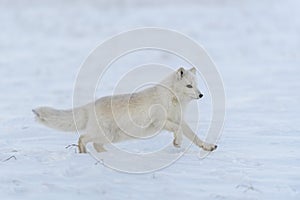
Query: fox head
[185,84]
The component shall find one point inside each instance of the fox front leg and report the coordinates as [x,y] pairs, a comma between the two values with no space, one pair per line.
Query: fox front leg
[187,131]
[177,133]
[177,141]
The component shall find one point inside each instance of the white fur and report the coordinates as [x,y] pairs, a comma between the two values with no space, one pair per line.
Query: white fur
[138,115]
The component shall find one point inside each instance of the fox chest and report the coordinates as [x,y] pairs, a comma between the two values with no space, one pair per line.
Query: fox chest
[175,111]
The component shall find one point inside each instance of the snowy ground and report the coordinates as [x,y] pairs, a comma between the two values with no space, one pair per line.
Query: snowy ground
[255,45]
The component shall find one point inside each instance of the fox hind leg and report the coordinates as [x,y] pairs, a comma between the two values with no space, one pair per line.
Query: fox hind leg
[81,145]
[82,142]
[99,147]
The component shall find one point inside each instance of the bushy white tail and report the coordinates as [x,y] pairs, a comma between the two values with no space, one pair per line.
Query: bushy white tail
[61,119]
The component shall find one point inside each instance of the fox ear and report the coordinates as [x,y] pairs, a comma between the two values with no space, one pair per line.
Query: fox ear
[180,73]
[193,70]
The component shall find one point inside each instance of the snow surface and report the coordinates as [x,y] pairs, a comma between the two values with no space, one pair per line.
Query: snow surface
[255,45]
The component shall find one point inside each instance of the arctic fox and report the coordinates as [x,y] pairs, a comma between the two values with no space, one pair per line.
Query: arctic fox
[117,118]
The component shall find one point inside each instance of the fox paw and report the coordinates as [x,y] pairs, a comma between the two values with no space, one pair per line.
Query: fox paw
[208,147]
[176,143]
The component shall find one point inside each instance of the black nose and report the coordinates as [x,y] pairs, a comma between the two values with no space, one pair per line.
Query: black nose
[200,95]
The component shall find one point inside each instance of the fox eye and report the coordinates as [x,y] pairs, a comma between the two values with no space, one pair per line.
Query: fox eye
[189,86]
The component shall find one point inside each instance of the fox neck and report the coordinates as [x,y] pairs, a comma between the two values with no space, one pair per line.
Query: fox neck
[171,93]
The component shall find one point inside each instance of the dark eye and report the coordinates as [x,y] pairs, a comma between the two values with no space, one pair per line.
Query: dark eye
[189,86]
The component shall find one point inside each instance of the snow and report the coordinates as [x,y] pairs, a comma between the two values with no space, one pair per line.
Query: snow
[255,45]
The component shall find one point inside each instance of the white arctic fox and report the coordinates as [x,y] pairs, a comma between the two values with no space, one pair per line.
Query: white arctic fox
[121,117]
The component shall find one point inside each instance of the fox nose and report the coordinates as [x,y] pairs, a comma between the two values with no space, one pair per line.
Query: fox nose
[200,95]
